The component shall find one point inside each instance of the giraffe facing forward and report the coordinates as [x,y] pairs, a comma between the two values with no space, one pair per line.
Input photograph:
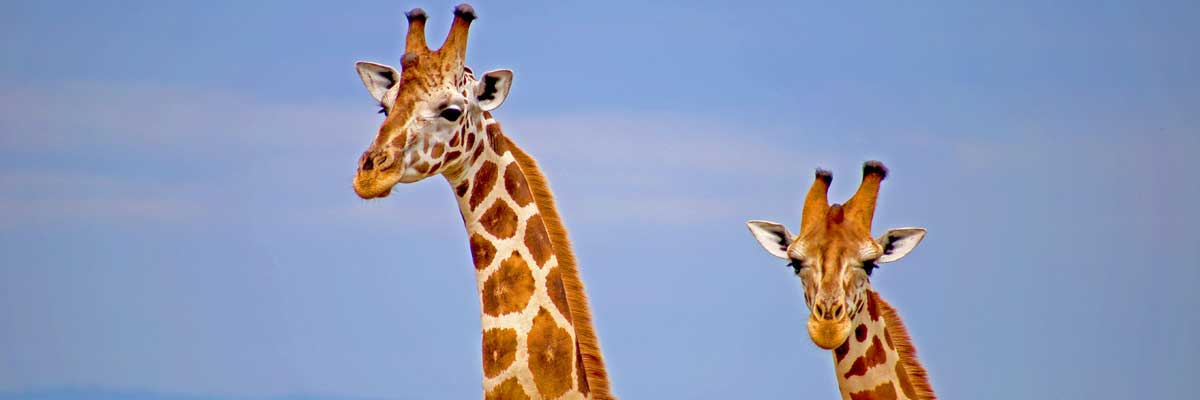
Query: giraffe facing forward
[538,340]
[834,256]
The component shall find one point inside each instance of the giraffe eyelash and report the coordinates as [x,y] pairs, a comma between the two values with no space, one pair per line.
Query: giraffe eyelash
[383,109]
[796,265]
[869,266]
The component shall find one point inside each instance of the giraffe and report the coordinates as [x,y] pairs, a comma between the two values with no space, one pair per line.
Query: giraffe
[538,338]
[834,256]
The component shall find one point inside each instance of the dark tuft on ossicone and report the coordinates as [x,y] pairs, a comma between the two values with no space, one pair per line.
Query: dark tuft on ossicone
[824,176]
[465,11]
[415,14]
[875,168]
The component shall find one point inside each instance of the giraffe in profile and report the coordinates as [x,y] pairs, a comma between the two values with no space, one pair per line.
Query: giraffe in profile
[834,256]
[538,339]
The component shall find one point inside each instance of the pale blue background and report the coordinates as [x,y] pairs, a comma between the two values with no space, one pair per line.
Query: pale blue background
[176,218]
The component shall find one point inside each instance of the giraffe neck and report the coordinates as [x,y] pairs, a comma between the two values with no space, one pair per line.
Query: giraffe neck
[878,361]
[537,336]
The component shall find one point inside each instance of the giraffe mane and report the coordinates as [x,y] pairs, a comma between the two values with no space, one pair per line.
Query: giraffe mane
[581,317]
[908,352]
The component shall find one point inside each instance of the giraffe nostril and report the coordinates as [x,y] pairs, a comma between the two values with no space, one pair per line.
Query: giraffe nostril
[368,162]
[383,160]
[837,311]
[373,160]
[819,311]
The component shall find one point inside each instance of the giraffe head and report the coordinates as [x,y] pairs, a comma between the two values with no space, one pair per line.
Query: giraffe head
[434,108]
[835,254]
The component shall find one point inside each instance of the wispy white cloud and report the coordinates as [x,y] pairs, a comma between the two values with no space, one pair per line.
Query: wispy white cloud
[177,153]
[172,120]
[141,152]
[50,196]
[648,143]
[128,153]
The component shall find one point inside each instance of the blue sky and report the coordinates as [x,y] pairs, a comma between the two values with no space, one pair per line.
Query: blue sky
[177,220]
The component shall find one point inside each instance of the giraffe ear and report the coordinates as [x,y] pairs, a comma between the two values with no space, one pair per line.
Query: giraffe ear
[897,242]
[378,78]
[773,237]
[493,88]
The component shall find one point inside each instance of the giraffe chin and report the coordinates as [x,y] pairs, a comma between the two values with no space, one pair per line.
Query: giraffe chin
[373,185]
[828,334]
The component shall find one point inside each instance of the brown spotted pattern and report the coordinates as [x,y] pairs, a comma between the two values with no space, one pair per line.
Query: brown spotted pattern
[875,355]
[509,288]
[537,240]
[478,152]
[841,351]
[500,220]
[482,251]
[885,391]
[529,347]
[500,144]
[887,367]
[873,309]
[493,130]
[514,183]
[551,356]
[494,195]
[499,350]
[859,368]
[461,189]
[877,360]
[510,389]
[485,178]
[558,294]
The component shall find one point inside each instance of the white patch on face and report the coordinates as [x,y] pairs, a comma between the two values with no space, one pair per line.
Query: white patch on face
[796,250]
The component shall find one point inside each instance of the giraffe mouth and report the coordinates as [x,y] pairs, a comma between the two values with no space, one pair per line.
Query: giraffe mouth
[828,334]
[375,184]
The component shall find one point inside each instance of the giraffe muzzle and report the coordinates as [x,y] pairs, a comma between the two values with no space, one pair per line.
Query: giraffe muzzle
[829,310]
[828,323]
[375,160]
[376,175]
[828,334]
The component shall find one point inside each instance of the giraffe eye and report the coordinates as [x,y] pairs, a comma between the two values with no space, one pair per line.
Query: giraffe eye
[796,264]
[869,266]
[451,113]
[383,109]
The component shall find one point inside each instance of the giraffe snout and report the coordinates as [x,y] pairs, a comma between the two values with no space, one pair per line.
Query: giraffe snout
[374,159]
[376,174]
[829,309]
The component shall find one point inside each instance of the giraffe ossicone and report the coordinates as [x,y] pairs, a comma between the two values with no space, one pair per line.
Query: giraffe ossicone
[537,337]
[834,256]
